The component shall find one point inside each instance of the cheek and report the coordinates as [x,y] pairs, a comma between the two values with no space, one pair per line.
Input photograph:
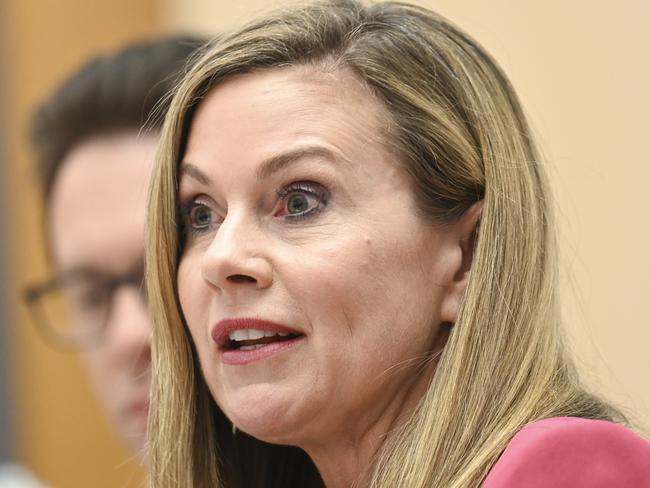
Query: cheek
[96,365]
[330,277]
[373,289]
[373,319]
[189,287]
[106,377]
[183,281]
[192,294]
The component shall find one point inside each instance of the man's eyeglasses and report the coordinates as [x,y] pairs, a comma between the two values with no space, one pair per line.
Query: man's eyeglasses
[73,309]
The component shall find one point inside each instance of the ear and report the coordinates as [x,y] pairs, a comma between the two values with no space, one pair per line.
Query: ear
[464,233]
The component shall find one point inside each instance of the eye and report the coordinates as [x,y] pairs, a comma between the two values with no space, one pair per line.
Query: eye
[197,216]
[297,204]
[88,296]
[200,216]
[93,298]
[302,199]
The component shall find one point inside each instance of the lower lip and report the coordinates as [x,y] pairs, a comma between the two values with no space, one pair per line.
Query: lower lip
[239,357]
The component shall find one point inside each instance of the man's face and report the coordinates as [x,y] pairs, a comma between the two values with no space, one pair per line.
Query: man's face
[96,224]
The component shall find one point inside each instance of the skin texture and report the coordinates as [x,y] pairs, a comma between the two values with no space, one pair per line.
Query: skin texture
[97,219]
[370,285]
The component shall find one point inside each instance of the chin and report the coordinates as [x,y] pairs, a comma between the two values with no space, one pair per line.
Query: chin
[266,412]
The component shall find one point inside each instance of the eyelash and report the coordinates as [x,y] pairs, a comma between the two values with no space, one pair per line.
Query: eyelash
[311,188]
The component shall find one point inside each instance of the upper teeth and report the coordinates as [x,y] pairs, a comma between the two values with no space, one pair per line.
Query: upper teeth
[253,334]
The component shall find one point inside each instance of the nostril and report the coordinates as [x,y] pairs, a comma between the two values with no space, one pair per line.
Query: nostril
[239,278]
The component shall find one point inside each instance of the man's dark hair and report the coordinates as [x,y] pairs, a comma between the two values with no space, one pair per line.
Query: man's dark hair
[109,94]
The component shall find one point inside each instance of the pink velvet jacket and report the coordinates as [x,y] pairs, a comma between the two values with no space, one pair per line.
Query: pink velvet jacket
[567,452]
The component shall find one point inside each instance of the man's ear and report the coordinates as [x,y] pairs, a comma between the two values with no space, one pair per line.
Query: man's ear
[465,235]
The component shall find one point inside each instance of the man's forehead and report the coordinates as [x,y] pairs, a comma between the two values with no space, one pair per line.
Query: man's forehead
[125,155]
[96,215]
[112,248]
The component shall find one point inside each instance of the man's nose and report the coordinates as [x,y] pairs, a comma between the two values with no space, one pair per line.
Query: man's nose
[237,257]
[128,332]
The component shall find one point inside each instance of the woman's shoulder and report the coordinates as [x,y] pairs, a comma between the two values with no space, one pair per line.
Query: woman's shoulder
[570,452]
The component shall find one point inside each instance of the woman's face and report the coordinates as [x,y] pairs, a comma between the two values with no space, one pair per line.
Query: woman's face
[311,289]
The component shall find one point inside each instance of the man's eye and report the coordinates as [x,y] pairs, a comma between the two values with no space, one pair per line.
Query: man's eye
[87,296]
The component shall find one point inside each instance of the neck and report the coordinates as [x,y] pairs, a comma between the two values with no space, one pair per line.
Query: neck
[348,460]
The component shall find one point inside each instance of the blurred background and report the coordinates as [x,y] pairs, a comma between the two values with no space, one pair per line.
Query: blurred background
[582,71]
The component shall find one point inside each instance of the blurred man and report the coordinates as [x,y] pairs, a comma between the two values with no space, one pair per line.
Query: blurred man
[94,161]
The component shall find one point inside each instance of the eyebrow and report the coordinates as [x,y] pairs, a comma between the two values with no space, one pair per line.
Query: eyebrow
[281,161]
[269,166]
[193,171]
[136,267]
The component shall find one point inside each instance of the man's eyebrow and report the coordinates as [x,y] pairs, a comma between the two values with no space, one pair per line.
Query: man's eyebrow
[74,271]
[193,171]
[281,161]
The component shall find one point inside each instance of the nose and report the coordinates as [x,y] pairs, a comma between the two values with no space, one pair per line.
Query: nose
[235,259]
[128,334]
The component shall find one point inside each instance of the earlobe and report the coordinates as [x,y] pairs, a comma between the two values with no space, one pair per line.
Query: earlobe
[465,237]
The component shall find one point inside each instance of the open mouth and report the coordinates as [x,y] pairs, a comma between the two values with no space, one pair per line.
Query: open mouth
[246,340]
[251,339]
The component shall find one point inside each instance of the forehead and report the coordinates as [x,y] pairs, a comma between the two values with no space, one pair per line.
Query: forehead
[250,117]
[96,212]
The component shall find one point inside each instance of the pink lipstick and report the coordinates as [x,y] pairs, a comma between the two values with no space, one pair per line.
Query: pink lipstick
[245,340]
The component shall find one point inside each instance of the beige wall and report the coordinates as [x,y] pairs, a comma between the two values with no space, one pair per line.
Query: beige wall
[582,70]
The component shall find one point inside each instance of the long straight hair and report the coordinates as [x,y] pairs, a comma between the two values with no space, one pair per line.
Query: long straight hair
[456,125]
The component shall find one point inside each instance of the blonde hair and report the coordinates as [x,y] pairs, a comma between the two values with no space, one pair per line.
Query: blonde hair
[459,130]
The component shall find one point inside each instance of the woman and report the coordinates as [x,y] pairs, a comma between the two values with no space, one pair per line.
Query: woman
[352,268]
